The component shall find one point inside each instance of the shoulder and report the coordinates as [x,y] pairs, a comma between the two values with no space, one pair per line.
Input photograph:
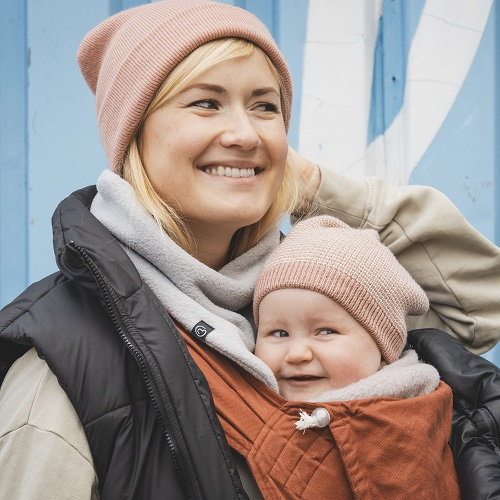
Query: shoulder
[27,300]
[31,395]
[40,431]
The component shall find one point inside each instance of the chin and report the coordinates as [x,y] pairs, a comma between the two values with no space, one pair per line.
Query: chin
[303,396]
[249,212]
[248,220]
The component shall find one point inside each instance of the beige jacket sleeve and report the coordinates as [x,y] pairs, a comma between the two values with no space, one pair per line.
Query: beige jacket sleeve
[44,453]
[458,268]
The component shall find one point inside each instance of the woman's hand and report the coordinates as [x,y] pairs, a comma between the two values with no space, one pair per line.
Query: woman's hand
[309,174]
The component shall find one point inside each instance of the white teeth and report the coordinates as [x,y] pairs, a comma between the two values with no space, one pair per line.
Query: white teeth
[247,172]
[230,172]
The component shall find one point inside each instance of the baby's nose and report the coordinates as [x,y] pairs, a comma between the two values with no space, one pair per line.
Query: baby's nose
[299,352]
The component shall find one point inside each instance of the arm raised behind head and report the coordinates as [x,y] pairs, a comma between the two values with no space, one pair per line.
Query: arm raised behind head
[458,268]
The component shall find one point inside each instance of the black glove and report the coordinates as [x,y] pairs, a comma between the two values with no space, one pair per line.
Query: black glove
[475,435]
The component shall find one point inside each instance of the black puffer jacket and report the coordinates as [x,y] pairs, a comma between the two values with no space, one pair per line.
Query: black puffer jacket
[475,438]
[144,404]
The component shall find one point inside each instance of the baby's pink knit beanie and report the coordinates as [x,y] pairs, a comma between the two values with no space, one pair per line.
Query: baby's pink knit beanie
[352,267]
[125,59]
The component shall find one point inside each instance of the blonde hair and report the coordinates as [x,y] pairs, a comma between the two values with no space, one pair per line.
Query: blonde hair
[288,198]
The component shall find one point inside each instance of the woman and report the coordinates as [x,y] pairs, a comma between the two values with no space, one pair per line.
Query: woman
[103,397]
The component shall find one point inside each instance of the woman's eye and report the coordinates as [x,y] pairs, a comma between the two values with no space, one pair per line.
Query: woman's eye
[205,104]
[268,107]
[327,331]
[279,333]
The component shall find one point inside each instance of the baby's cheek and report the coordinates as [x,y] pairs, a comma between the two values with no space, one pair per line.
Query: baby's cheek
[268,356]
[260,350]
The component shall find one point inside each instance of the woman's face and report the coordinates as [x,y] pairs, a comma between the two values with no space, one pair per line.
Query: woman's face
[216,151]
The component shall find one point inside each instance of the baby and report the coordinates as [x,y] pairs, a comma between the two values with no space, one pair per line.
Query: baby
[330,305]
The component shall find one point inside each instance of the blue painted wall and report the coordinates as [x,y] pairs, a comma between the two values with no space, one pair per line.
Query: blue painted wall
[13,151]
[461,159]
[496,106]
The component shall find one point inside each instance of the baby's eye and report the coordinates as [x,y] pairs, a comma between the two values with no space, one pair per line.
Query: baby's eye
[205,104]
[327,331]
[279,333]
[268,107]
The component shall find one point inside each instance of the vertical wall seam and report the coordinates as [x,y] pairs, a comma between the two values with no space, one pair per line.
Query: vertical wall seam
[26,141]
[496,154]
[13,151]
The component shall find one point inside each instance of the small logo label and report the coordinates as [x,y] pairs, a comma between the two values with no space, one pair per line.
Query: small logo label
[201,330]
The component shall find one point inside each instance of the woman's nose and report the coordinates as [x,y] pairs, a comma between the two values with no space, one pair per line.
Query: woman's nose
[299,352]
[239,131]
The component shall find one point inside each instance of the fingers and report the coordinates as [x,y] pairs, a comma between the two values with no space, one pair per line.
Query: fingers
[309,173]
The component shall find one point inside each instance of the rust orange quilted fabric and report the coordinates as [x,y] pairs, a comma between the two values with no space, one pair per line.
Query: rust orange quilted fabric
[380,448]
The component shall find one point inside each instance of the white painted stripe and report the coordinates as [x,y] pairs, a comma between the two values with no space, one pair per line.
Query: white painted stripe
[442,52]
[337,81]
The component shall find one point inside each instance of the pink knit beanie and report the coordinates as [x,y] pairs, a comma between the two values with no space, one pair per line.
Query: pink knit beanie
[352,267]
[126,58]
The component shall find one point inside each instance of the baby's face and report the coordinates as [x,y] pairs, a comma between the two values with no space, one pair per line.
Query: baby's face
[312,344]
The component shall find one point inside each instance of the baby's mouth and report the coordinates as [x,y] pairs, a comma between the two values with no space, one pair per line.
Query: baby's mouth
[303,378]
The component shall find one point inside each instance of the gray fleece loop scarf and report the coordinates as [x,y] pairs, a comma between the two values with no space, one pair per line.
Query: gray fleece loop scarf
[192,292]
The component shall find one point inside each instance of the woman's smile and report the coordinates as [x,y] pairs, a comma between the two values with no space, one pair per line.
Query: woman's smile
[232,169]
[221,171]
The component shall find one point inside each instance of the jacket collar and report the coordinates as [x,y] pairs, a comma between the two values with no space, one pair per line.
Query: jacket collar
[76,232]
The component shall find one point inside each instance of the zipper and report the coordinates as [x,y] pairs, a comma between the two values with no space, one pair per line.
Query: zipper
[188,481]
